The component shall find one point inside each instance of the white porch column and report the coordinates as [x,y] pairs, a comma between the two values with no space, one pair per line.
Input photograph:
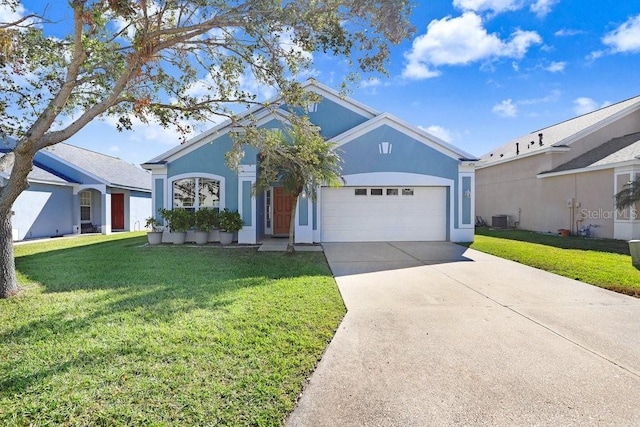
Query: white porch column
[304,221]
[105,215]
[247,204]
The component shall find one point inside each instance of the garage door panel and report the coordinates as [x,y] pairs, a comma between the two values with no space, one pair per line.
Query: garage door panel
[420,217]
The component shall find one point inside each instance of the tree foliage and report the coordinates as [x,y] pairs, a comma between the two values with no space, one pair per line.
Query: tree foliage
[629,195]
[176,62]
[299,159]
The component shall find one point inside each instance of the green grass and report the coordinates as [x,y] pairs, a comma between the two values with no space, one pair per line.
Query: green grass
[600,262]
[112,332]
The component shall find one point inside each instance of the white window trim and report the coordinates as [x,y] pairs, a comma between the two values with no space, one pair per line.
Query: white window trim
[88,193]
[196,202]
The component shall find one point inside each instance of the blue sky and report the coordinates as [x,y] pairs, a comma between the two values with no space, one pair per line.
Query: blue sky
[477,73]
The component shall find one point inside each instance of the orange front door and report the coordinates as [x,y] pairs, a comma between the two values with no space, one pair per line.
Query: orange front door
[117,211]
[282,204]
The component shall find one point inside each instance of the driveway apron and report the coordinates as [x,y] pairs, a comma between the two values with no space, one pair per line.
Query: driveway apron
[438,334]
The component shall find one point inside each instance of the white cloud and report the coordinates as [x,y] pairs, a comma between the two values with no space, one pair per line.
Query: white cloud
[442,133]
[542,7]
[418,71]
[7,15]
[496,6]
[556,66]
[625,38]
[554,95]
[151,132]
[372,82]
[584,105]
[460,41]
[539,7]
[567,32]
[505,109]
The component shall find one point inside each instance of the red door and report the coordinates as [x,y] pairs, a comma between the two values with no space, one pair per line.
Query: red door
[117,211]
[282,204]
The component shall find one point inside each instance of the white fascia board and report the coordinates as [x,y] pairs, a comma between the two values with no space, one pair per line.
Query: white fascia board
[261,118]
[42,181]
[154,167]
[628,163]
[402,127]
[344,101]
[550,149]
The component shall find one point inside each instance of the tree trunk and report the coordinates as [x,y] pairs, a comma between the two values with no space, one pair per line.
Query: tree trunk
[8,282]
[292,226]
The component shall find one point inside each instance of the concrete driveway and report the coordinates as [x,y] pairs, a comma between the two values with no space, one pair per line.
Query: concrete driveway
[437,334]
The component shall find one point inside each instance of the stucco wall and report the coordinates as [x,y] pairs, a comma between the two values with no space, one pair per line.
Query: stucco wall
[139,210]
[42,211]
[540,204]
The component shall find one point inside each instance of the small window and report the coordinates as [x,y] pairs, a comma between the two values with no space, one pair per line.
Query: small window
[392,191]
[85,206]
[376,191]
[407,191]
[361,192]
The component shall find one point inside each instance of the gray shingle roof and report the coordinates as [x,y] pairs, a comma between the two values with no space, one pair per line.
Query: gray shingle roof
[558,135]
[112,170]
[617,150]
[36,174]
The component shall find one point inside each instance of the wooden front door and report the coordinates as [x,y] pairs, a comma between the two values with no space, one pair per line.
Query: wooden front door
[282,204]
[117,211]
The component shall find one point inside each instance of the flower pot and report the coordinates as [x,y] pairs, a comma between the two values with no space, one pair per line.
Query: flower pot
[226,237]
[201,237]
[154,237]
[634,249]
[214,236]
[178,237]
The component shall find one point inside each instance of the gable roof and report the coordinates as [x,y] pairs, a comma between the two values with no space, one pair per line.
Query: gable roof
[560,135]
[617,150]
[110,170]
[260,113]
[401,126]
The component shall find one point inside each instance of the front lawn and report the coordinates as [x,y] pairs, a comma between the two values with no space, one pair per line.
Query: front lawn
[604,263]
[112,332]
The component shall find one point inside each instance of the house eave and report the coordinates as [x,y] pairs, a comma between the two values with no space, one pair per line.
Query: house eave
[401,126]
[627,163]
[549,150]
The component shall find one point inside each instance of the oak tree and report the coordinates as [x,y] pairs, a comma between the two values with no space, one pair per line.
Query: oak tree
[172,61]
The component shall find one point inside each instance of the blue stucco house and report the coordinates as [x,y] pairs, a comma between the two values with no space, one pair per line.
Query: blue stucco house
[400,182]
[74,190]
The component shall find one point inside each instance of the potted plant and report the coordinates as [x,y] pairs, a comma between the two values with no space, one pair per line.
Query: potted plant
[178,221]
[155,235]
[230,222]
[205,221]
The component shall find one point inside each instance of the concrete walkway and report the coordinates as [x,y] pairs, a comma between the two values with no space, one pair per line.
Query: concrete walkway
[437,334]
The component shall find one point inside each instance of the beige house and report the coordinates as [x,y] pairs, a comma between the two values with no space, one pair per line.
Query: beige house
[565,176]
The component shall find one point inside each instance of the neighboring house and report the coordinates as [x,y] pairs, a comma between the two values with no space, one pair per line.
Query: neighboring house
[565,176]
[401,183]
[74,190]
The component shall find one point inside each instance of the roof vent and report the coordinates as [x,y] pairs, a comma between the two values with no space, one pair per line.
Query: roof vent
[540,136]
[517,148]
[501,155]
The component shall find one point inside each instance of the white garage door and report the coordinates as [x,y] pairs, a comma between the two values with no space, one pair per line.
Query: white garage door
[370,214]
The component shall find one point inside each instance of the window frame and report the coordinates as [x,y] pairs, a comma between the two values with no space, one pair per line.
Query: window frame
[85,204]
